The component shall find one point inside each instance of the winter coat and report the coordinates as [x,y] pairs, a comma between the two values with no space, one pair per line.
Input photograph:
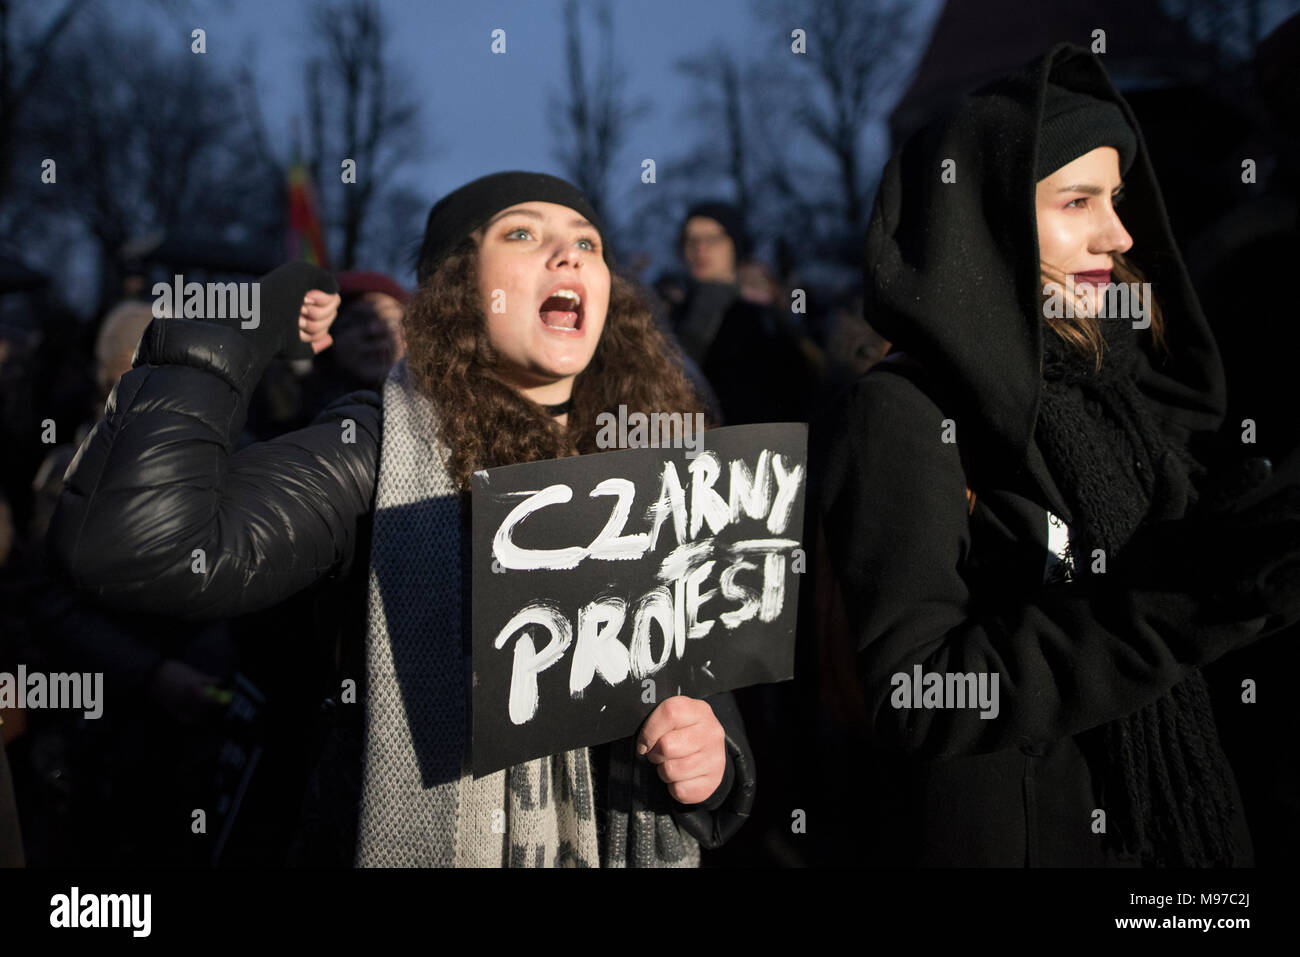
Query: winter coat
[938,508]
[159,513]
[754,364]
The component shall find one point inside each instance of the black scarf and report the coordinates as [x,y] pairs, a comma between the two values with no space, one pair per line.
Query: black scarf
[1165,781]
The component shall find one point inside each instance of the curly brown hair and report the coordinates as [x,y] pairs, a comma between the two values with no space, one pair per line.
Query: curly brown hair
[485,423]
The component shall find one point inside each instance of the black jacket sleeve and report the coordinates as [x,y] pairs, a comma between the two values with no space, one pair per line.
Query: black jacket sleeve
[1068,657]
[159,514]
[715,821]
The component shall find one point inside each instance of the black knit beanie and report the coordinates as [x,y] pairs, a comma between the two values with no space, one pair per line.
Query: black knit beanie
[1077,123]
[461,212]
[731,219]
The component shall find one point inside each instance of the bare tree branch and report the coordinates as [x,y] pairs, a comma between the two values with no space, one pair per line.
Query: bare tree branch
[17,81]
[144,143]
[373,128]
[596,109]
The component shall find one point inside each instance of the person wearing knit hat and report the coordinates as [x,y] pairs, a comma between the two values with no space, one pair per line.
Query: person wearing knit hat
[1083,142]
[1074,124]
[747,351]
[358,282]
[368,333]
[461,212]
[713,241]
[518,336]
[365,341]
[1014,497]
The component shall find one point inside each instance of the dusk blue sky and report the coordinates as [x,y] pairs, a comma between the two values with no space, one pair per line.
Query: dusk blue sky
[482,112]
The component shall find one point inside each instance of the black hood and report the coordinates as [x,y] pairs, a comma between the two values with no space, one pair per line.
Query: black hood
[952,274]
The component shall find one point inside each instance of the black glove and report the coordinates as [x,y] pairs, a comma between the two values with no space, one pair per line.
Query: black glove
[1279,598]
[1234,486]
[1243,558]
[281,292]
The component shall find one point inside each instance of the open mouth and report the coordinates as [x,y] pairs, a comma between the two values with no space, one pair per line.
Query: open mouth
[562,310]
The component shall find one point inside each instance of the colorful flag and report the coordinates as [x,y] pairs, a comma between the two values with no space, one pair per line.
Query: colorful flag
[306,240]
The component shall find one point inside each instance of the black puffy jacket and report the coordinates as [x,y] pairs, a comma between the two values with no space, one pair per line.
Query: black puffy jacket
[158,488]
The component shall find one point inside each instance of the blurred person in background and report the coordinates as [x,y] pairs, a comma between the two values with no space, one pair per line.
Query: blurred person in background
[367,340]
[751,358]
[368,337]
[758,284]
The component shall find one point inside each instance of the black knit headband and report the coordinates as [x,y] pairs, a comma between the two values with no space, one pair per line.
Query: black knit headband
[461,212]
[1077,123]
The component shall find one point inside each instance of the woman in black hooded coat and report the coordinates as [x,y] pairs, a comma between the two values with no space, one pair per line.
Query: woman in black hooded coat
[1016,498]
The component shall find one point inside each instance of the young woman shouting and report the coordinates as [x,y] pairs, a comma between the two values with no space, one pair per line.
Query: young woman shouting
[518,336]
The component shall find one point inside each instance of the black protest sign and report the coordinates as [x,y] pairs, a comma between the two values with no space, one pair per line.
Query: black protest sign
[603,584]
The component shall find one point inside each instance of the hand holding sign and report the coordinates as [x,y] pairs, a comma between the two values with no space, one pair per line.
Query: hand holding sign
[685,739]
[600,579]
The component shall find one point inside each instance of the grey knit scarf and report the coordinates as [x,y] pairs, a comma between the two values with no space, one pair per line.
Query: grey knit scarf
[420,806]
